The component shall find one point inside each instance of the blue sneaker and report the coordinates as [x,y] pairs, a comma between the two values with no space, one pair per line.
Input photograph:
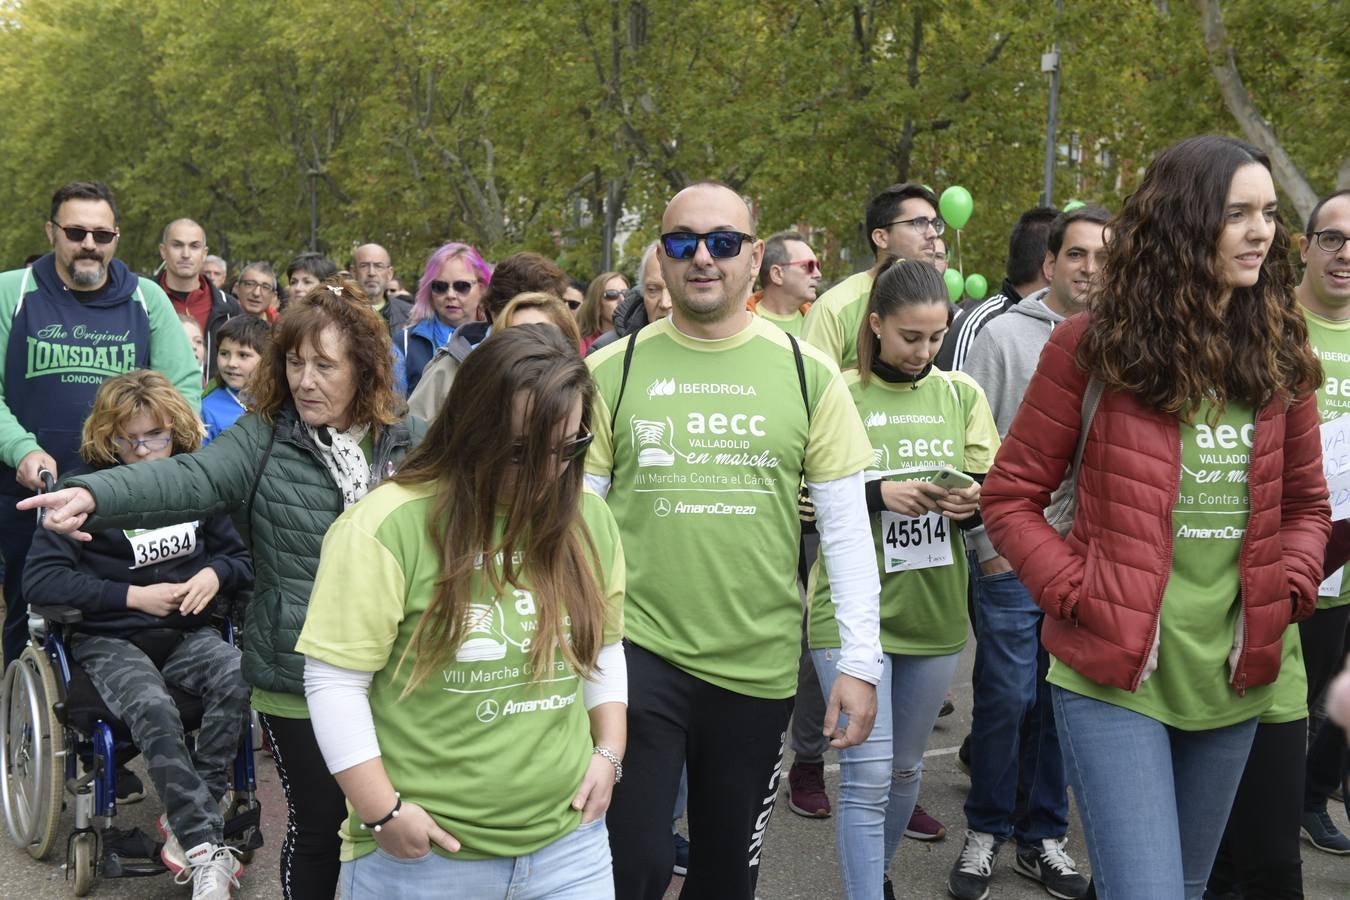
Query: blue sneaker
[1323,834]
[681,854]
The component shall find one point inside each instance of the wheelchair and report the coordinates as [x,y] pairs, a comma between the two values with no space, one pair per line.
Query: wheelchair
[58,739]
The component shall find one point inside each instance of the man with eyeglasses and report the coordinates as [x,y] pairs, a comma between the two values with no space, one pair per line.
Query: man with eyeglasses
[374,272]
[256,291]
[788,277]
[705,423]
[1324,295]
[183,249]
[902,223]
[77,317]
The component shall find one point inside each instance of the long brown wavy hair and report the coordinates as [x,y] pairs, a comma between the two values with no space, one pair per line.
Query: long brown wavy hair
[1158,329]
[338,303]
[468,452]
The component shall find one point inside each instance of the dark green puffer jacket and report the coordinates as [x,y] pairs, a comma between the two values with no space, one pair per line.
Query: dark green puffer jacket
[296,501]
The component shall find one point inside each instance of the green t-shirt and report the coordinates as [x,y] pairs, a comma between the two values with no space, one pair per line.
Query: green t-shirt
[1331,343]
[941,420]
[494,752]
[711,439]
[792,324]
[832,322]
[1201,604]
[1290,701]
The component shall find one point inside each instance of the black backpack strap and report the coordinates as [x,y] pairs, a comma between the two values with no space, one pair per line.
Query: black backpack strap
[801,375]
[257,479]
[614,413]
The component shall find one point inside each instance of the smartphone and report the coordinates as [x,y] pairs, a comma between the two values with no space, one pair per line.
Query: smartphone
[951,479]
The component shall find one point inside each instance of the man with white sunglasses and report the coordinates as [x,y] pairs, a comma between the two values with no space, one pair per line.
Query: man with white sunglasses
[74,319]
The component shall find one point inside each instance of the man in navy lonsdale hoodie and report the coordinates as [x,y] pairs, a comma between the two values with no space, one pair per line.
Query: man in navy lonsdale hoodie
[76,318]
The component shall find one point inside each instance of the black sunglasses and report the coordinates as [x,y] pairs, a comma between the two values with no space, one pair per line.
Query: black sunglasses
[720,244]
[76,235]
[613,294]
[460,287]
[573,304]
[571,451]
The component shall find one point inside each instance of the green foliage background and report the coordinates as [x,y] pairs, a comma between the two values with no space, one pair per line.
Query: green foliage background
[549,125]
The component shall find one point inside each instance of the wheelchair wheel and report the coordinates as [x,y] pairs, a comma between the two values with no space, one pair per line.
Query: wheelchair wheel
[32,769]
[83,860]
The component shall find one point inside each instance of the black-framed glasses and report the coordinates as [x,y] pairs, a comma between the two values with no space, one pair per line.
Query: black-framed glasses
[613,293]
[152,443]
[921,223]
[248,284]
[1329,241]
[76,235]
[459,287]
[571,451]
[720,244]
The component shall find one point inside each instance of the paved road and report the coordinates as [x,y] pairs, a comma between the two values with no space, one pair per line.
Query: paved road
[799,859]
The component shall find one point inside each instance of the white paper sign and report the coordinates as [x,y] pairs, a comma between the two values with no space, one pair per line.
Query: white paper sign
[1332,586]
[1336,465]
[922,543]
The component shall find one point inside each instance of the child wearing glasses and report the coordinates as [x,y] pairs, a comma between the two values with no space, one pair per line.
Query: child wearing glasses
[146,597]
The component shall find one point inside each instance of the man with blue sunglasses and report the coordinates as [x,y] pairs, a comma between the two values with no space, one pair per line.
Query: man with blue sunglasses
[705,423]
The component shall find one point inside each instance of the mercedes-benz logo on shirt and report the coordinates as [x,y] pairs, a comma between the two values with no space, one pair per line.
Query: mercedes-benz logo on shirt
[487,710]
[662,507]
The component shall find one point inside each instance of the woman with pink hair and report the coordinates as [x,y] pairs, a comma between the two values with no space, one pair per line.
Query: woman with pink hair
[449,294]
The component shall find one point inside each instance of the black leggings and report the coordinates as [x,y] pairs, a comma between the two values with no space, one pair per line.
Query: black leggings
[315,808]
[733,747]
[1324,646]
[1259,857]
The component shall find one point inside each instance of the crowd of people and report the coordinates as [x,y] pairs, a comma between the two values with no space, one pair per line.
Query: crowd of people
[529,571]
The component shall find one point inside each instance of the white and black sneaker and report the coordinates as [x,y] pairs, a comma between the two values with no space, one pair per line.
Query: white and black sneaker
[1052,867]
[974,868]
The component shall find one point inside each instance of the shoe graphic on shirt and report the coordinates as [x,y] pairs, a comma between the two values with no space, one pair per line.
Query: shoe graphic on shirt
[481,639]
[652,437]
[881,458]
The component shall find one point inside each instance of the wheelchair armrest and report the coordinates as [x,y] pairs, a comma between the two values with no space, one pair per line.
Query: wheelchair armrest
[61,615]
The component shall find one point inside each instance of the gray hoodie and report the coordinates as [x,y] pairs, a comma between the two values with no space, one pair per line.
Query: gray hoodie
[1002,360]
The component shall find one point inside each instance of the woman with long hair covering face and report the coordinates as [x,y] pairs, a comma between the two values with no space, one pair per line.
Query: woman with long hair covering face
[323,429]
[1201,515]
[463,664]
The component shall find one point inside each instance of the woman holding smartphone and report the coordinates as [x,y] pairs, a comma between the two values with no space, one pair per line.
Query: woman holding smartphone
[931,431]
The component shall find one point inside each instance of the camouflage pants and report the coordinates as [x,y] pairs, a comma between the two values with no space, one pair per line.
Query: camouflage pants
[134,690]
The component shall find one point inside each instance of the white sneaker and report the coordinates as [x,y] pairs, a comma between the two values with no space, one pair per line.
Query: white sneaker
[214,871]
[172,854]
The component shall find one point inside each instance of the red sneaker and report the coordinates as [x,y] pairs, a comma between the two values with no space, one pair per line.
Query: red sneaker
[806,790]
[923,827]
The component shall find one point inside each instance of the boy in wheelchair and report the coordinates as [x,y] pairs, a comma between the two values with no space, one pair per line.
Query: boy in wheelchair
[146,599]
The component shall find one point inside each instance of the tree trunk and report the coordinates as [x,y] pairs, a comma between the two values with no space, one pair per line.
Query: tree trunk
[1243,109]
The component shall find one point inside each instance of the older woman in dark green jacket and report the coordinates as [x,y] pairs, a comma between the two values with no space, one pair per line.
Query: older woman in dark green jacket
[324,429]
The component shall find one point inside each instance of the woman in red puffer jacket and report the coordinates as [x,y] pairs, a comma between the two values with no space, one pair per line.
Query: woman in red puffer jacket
[1202,512]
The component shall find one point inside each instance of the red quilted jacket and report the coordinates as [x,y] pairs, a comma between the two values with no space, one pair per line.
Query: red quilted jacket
[1101,586]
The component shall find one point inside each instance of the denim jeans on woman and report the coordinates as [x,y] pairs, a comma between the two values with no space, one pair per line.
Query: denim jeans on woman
[574,867]
[1153,799]
[879,778]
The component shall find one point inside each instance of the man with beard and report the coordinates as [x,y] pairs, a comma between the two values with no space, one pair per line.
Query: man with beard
[704,424]
[375,273]
[183,249]
[77,317]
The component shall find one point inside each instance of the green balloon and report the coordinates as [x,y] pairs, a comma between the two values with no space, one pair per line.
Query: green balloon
[956,206]
[954,285]
[976,286]
[1072,205]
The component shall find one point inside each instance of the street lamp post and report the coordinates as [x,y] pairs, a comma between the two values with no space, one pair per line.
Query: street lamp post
[1050,64]
[313,209]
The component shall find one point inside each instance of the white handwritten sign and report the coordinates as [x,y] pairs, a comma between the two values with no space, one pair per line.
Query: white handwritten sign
[1336,465]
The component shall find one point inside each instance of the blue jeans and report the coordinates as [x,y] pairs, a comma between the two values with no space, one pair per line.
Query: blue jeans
[574,867]
[1012,722]
[879,778]
[1153,799]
